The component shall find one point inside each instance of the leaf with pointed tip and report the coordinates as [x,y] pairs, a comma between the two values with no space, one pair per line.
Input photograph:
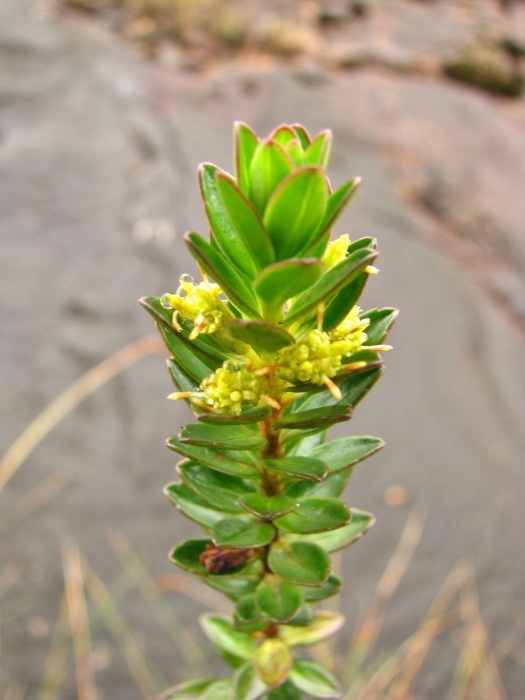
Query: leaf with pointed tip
[223,273]
[267,507]
[284,280]
[261,336]
[187,555]
[315,418]
[343,302]
[247,685]
[337,203]
[298,467]
[304,136]
[243,531]
[315,515]
[303,563]
[325,624]
[235,646]
[227,437]
[270,165]
[353,388]
[213,460]
[246,221]
[335,540]
[219,490]
[273,662]
[252,415]
[225,232]
[283,134]
[331,587]
[295,210]
[220,690]
[346,451]
[332,486]
[318,151]
[278,599]
[182,380]
[190,690]
[381,321]
[332,282]
[191,505]
[314,680]
[246,143]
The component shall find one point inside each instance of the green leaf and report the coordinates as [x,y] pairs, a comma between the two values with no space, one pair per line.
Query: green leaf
[343,302]
[261,336]
[304,563]
[331,587]
[346,451]
[286,691]
[246,143]
[221,224]
[332,486]
[332,282]
[223,273]
[315,418]
[381,321]
[182,380]
[295,210]
[313,680]
[202,346]
[305,615]
[220,490]
[273,662]
[270,165]
[187,358]
[221,437]
[267,507]
[246,221]
[318,151]
[209,458]
[243,531]
[247,685]
[248,617]
[252,415]
[233,645]
[191,505]
[277,283]
[353,388]
[343,537]
[325,624]
[304,136]
[283,134]
[187,555]
[315,515]
[299,467]
[220,690]
[240,582]
[278,599]
[296,153]
[337,203]
[190,690]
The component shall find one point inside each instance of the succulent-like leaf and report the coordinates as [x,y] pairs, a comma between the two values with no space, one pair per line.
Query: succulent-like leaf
[223,273]
[243,531]
[335,540]
[331,587]
[186,556]
[332,282]
[248,617]
[278,599]
[246,221]
[332,486]
[343,302]
[270,165]
[299,467]
[315,515]
[318,151]
[261,336]
[267,507]
[191,361]
[315,418]
[273,662]
[353,388]
[314,680]
[325,624]
[284,280]
[220,690]
[214,460]
[283,134]
[295,210]
[304,563]
[242,580]
[219,490]
[346,451]
[247,685]
[191,505]
[190,690]
[303,135]
[381,321]
[286,691]
[227,437]
[235,646]
[182,380]
[252,415]
[245,145]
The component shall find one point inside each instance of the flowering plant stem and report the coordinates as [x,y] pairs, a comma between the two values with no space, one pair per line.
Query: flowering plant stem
[269,350]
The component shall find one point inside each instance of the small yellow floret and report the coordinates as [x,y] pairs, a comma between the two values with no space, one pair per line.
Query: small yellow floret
[351,330]
[232,386]
[200,304]
[313,359]
[336,251]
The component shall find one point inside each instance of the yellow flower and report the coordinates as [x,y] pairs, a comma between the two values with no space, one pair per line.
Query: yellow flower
[314,359]
[200,304]
[232,386]
[351,331]
[336,251]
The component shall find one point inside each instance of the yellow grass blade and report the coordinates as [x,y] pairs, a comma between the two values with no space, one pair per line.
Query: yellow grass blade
[56,665]
[70,399]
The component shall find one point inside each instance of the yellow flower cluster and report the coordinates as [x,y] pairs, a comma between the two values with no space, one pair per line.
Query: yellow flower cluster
[231,386]
[336,251]
[314,359]
[200,304]
[351,329]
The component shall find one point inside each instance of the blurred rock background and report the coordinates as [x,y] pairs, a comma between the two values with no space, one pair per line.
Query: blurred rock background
[106,109]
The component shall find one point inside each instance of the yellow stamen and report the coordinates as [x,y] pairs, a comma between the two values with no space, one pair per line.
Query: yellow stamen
[270,402]
[371,270]
[180,395]
[333,388]
[202,404]
[320,316]
[175,321]
[266,370]
[354,365]
[379,348]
